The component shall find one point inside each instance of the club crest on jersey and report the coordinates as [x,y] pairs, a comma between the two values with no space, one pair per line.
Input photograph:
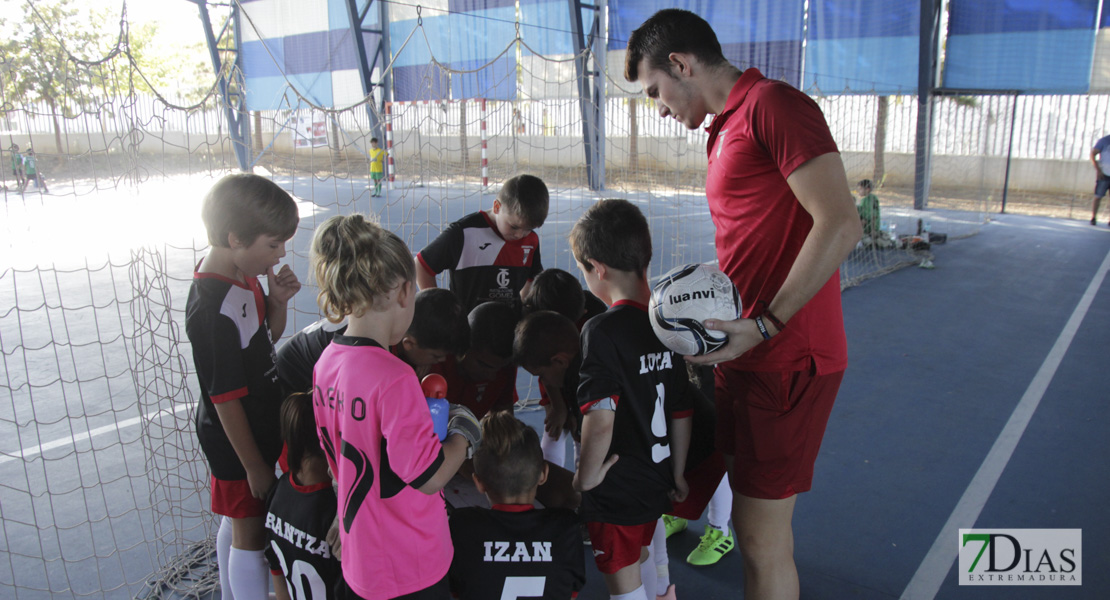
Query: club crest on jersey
[517,552]
[527,250]
[656,361]
[503,278]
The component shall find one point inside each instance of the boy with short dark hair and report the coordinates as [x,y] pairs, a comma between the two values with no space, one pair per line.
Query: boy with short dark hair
[868,209]
[483,379]
[635,398]
[438,329]
[232,325]
[17,167]
[513,549]
[491,255]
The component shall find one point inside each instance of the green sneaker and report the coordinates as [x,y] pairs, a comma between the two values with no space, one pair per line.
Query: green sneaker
[714,544]
[674,525]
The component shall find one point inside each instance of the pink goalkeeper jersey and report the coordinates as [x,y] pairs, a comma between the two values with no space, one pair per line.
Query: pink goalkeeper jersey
[376,429]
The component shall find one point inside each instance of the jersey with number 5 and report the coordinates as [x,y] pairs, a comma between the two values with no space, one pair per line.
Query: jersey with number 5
[515,552]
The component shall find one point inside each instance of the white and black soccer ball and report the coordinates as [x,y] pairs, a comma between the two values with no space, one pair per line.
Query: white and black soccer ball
[685,297]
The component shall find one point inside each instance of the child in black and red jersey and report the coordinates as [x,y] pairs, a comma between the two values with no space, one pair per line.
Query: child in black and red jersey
[300,510]
[491,255]
[559,291]
[483,379]
[636,402]
[514,550]
[232,325]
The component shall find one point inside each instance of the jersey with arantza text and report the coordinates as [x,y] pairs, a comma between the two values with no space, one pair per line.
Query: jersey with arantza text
[622,360]
[376,429]
[516,551]
[483,266]
[234,358]
[297,522]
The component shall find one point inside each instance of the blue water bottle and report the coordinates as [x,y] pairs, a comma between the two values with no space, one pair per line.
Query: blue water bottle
[435,390]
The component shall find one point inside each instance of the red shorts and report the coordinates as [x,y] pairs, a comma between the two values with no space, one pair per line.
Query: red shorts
[617,546]
[233,499]
[772,425]
[703,480]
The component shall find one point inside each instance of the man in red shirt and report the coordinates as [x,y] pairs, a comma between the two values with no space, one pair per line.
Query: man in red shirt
[785,220]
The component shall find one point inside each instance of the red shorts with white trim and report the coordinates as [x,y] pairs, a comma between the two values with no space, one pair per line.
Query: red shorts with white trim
[617,546]
[233,499]
[772,424]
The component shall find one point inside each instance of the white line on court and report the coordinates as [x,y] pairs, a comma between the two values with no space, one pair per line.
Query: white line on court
[73,439]
[931,573]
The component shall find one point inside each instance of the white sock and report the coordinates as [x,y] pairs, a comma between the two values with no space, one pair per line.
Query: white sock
[554,450]
[223,553]
[720,506]
[647,575]
[636,594]
[249,574]
[660,557]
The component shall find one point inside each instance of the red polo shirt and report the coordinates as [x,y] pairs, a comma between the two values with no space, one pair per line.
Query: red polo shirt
[767,130]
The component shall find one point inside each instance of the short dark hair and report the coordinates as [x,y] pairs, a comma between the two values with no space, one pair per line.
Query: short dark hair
[298,429]
[527,197]
[492,326]
[613,232]
[439,321]
[509,462]
[865,183]
[374,139]
[541,335]
[671,30]
[557,290]
[248,205]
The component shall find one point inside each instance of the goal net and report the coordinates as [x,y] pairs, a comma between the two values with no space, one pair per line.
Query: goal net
[103,489]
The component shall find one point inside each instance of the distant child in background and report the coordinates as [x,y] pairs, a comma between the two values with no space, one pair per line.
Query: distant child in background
[868,208]
[232,326]
[484,378]
[559,291]
[373,419]
[17,167]
[300,510]
[377,166]
[439,329]
[636,401]
[491,255]
[32,172]
[514,550]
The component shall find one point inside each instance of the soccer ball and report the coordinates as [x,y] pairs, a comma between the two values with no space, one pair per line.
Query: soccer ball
[685,297]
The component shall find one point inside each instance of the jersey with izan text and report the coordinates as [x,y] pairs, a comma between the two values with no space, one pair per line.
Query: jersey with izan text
[623,360]
[226,323]
[516,551]
[483,266]
[297,522]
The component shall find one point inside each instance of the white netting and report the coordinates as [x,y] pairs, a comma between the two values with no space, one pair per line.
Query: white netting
[103,491]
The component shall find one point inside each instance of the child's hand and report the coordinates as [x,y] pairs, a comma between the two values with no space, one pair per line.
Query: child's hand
[283,285]
[555,420]
[261,479]
[581,484]
[681,488]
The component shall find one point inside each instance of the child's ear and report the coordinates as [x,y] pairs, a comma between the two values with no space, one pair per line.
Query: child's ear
[233,240]
[406,294]
[561,359]
[543,475]
[598,266]
[409,343]
[482,488]
[496,206]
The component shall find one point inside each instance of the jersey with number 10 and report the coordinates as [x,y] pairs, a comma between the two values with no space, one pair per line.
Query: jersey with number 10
[376,430]
[622,360]
[297,522]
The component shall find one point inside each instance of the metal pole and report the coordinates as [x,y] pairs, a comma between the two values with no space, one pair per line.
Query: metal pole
[1009,155]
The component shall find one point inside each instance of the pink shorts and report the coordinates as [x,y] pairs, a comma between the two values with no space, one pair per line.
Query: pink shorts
[617,546]
[772,424]
[233,499]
